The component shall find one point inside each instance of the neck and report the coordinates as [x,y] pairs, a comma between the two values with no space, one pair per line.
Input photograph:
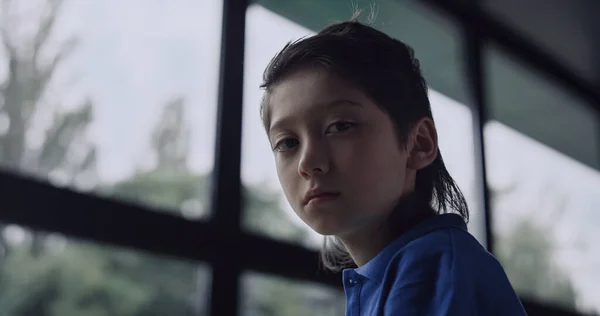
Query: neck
[366,242]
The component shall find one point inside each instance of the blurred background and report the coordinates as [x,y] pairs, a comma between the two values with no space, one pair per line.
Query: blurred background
[115,151]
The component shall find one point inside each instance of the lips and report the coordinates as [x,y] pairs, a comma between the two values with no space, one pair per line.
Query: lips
[318,196]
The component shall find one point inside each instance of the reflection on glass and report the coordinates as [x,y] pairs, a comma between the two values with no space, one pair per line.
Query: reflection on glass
[47,274]
[545,219]
[264,295]
[111,96]
[267,210]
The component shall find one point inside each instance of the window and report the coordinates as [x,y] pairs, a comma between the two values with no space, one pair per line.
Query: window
[118,99]
[113,97]
[268,295]
[267,211]
[48,274]
[544,198]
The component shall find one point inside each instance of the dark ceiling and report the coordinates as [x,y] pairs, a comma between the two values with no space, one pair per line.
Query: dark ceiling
[569,30]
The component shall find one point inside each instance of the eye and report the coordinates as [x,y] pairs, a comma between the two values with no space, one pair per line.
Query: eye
[339,127]
[286,144]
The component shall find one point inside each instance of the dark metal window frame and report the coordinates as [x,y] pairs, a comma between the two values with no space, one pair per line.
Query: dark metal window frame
[220,241]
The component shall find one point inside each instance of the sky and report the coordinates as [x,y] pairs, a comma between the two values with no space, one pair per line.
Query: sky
[135,55]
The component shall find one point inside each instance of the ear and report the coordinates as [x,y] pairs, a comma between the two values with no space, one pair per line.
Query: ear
[424,147]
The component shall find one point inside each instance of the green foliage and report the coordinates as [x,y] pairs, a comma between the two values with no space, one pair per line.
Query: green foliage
[526,255]
[527,251]
[82,279]
[37,278]
[270,296]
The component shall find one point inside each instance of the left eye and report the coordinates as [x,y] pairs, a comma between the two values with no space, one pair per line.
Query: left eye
[339,127]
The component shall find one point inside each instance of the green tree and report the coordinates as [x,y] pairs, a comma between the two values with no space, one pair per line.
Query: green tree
[270,296]
[23,92]
[82,279]
[64,151]
[169,185]
[527,251]
[92,280]
[78,279]
[527,258]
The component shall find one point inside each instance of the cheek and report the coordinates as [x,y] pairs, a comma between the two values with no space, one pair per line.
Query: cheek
[382,170]
[377,170]
[287,172]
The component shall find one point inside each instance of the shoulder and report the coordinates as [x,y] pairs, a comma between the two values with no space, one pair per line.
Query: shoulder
[448,242]
[447,270]
[444,253]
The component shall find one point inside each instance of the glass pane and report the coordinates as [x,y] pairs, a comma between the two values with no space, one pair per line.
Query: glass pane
[267,210]
[113,97]
[264,295]
[541,110]
[544,202]
[50,275]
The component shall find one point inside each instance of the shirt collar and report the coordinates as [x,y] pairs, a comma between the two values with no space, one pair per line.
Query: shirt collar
[375,268]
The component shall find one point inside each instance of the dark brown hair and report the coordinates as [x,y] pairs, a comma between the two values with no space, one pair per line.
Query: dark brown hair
[387,71]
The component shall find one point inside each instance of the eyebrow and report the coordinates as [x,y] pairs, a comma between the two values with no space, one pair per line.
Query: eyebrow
[329,106]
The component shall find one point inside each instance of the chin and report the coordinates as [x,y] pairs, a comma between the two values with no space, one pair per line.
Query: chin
[327,227]
[324,221]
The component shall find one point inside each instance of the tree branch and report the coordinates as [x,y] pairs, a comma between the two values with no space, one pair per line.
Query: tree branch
[46,25]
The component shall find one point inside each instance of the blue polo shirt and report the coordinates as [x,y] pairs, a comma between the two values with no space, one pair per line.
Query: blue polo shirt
[435,268]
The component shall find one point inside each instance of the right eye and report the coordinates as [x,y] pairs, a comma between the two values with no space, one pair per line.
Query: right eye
[286,144]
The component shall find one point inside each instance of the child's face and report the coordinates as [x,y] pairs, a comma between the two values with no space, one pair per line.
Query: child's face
[330,137]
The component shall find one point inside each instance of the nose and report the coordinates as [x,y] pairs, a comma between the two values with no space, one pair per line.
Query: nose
[314,160]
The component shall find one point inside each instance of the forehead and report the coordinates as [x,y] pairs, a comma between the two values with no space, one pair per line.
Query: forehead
[311,90]
[310,84]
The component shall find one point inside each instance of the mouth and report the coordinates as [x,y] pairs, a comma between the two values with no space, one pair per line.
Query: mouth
[315,198]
